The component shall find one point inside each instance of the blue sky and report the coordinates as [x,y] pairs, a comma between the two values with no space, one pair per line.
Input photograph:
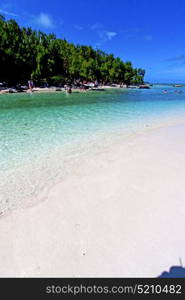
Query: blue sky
[150,33]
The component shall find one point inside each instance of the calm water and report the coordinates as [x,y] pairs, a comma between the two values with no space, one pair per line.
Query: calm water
[41,135]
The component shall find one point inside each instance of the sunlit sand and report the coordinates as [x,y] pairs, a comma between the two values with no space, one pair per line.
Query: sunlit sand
[120,213]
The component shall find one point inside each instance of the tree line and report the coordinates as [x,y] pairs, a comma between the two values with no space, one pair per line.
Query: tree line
[29,54]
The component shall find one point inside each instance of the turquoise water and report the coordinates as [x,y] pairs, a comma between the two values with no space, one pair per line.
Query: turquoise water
[41,135]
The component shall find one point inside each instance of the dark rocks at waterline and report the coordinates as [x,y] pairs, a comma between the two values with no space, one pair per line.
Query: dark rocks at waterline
[13,90]
[144,86]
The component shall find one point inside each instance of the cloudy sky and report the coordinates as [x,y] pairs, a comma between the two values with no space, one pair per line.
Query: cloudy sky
[150,33]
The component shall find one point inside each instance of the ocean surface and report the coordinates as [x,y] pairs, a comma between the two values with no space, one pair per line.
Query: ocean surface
[42,136]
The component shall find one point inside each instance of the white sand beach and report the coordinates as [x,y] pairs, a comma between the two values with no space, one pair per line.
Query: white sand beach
[120,214]
[55,89]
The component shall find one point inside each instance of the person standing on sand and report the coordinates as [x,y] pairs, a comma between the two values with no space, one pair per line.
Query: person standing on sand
[30,85]
[69,90]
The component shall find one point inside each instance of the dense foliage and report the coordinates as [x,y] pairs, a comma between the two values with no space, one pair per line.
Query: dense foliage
[28,54]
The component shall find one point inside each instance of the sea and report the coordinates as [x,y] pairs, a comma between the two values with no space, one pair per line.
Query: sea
[43,136]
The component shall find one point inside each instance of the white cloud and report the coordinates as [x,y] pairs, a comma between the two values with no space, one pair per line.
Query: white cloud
[78,27]
[110,34]
[96,26]
[8,13]
[45,21]
[136,34]
[105,36]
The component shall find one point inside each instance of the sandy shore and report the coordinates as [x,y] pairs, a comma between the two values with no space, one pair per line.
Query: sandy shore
[121,213]
[55,89]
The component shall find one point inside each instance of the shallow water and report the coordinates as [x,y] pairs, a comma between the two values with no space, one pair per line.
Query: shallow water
[42,135]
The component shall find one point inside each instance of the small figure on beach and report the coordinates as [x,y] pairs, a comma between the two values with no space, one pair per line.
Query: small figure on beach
[30,85]
[96,83]
[68,89]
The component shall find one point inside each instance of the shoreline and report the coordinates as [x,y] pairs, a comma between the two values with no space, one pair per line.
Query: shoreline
[56,90]
[72,163]
[94,220]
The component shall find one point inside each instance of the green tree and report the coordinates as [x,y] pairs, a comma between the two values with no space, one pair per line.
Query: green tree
[27,53]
